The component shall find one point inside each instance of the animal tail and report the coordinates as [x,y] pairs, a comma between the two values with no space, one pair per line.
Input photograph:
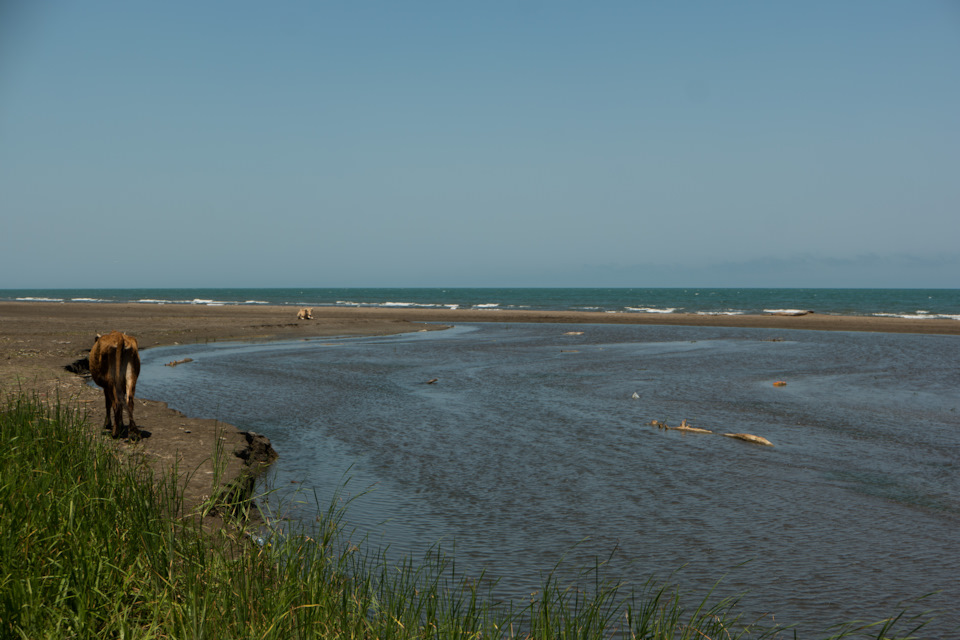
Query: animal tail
[125,368]
[116,369]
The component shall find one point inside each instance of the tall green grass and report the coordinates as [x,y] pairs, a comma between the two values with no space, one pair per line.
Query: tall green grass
[92,546]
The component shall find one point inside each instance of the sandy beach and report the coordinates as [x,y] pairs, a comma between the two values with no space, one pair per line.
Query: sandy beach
[38,340]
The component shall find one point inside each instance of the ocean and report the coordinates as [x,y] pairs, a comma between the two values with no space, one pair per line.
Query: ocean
[912,303]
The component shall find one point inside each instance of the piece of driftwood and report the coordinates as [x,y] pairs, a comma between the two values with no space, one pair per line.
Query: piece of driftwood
[749,437]
[176,362]
[746,437]
[683,427]
[686,427]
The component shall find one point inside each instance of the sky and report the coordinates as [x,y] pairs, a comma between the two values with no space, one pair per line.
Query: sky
[524,143]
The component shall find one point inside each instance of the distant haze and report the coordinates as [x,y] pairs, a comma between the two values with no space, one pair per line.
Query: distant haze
[325,144]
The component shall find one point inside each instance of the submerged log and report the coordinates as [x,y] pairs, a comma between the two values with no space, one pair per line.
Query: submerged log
[176,362]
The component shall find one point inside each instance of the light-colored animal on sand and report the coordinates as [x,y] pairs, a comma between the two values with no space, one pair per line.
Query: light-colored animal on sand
[305,314]
[114,366]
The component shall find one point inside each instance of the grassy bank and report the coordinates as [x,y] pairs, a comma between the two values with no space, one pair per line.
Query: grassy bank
[92,546]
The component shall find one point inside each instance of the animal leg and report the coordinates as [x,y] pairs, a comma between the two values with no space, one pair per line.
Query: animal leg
[117,418]
[109,408]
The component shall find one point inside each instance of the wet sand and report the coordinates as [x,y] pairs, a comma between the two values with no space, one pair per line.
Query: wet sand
[38,339]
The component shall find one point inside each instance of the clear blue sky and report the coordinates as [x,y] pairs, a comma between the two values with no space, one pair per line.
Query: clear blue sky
[494,143]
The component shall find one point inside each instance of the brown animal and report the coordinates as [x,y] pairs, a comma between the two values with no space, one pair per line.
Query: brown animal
[305,314]
[115,365]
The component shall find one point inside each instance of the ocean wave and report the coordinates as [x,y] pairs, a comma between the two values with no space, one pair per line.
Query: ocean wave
[408,305]
[199,301]
[919,315]
[788,312]
[396,305]
[905,303]
[721,313]
[651,309]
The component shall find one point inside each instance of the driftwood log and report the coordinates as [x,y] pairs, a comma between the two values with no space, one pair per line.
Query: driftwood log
[746,437]
[749,437]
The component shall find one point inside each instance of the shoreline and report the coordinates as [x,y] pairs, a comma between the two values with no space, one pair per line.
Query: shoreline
[39,339]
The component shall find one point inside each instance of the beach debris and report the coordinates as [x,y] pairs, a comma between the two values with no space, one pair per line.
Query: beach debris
[306,313]
[432,381]
[569,350]
[686,427]
[635,396]
[779,383]
[176,362]
[749,437]
[573,333]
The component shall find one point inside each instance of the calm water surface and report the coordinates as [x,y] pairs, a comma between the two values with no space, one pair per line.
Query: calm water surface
[530,446]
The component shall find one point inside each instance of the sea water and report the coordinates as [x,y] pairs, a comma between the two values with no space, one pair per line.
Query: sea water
[911,303]
[533,445]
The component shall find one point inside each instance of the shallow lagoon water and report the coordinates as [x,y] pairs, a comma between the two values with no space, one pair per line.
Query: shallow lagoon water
[530,447]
